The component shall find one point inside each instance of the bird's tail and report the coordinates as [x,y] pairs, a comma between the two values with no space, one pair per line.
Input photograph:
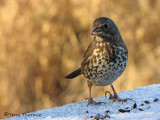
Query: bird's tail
[74,74]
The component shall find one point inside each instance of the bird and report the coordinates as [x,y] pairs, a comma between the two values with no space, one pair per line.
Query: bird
[105,58]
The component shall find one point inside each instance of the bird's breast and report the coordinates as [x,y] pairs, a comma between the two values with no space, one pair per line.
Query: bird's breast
[105,64]
[101,56]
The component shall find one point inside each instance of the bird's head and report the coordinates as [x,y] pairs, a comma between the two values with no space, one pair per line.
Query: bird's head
[104,28]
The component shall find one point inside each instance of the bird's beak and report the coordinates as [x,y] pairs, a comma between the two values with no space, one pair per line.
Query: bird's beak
[96,31]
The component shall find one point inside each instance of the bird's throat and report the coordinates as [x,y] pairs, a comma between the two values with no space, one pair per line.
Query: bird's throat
[99,39]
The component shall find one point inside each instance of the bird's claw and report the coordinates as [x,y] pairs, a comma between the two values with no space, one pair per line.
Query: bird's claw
[91,101]
[115,97]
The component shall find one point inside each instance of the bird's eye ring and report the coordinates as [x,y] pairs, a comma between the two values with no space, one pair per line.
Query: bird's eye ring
[106,25]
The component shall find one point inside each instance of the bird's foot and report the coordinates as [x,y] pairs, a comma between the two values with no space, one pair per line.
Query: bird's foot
[115,97]
[91,101]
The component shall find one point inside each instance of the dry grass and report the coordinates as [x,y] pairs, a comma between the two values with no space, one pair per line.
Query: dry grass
[43,40]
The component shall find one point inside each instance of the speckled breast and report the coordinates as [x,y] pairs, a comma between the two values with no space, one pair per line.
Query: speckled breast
[106,63]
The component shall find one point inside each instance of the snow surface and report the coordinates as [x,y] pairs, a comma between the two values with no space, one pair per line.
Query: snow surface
[147,108]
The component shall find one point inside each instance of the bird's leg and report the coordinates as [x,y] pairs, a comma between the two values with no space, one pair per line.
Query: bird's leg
[90,99]
[115,96]
[111,96]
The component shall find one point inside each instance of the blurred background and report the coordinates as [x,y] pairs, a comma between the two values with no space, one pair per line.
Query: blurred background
[41,41]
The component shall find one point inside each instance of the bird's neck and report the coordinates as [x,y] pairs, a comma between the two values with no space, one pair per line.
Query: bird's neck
[98,39]
[100,42]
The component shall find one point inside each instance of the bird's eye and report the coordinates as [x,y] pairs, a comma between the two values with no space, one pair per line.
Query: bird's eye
[106,25]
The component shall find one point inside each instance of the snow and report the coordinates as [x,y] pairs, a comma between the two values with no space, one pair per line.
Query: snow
[148,108]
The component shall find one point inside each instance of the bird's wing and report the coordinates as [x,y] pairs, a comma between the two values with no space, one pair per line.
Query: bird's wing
[88,55]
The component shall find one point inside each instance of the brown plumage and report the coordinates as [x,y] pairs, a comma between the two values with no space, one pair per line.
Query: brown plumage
[106,57]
